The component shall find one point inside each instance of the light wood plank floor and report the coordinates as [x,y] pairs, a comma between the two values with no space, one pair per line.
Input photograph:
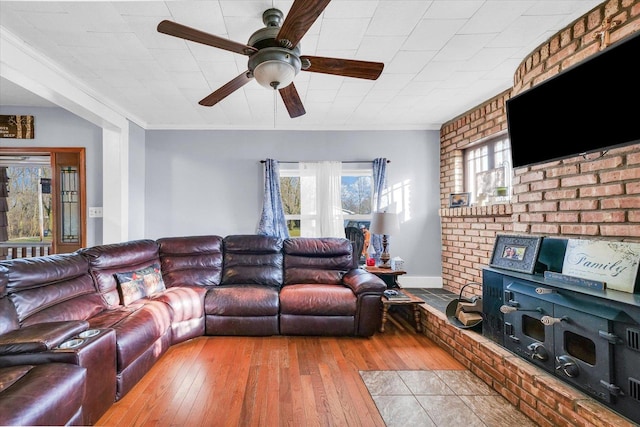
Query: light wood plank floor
[273,381]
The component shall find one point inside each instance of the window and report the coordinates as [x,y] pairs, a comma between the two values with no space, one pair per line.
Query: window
[488,171]
[356,193]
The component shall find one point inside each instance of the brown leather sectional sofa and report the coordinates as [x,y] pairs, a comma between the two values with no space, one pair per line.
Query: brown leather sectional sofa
[78,331]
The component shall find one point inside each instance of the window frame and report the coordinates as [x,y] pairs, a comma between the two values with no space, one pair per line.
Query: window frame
[492,162]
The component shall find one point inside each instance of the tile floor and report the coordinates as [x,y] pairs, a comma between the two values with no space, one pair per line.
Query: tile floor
[442,398]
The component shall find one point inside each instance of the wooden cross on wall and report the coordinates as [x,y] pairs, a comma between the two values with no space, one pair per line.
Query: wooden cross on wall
[605,32]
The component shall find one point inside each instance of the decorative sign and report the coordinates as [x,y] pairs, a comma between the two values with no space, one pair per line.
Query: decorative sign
[614,263]
[576,281]
[19,127]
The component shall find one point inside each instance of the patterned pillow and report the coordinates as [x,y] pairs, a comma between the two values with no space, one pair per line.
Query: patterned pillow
[134,285]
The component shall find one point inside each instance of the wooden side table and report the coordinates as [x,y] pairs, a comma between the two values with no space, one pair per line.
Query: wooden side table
[413,301]
[389,276]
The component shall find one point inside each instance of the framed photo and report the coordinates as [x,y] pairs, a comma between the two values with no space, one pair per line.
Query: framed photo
[458,200]
[516,253]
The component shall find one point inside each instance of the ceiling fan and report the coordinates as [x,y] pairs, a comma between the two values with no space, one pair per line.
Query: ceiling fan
[274,54]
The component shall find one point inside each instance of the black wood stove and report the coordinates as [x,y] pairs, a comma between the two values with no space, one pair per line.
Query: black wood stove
[588,338]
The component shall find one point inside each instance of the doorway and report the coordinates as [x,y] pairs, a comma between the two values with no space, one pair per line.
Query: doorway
[42,194]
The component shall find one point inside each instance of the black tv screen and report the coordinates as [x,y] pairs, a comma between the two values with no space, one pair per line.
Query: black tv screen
[592,106]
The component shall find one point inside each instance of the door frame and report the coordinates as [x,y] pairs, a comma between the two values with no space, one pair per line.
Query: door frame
[55,185]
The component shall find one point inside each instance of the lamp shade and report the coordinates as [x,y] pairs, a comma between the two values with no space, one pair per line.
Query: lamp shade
[385,223]
[274,74]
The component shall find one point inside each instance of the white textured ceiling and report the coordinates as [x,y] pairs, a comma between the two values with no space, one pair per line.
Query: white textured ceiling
[441,58]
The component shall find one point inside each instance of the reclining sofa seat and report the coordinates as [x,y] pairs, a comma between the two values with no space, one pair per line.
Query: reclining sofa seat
[246,300]
[190,266]
[30,395]
[143,328]
[44,302]
[323,294]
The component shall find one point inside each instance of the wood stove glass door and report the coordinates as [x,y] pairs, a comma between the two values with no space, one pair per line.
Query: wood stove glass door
[584,355]
[525,334]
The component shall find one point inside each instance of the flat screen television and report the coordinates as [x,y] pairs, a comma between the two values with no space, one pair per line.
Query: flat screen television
[591,106]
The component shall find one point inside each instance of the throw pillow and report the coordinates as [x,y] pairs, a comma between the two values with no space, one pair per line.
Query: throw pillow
[152,278]
[134,285]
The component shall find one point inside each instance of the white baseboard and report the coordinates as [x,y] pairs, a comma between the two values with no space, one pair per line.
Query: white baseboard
[420,282]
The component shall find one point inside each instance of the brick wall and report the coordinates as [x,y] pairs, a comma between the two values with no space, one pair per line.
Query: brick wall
[595,198]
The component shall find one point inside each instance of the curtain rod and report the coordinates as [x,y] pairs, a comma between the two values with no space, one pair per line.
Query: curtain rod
[346,161]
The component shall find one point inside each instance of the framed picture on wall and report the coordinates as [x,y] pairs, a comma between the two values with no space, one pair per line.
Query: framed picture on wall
[516,253]
[458,200]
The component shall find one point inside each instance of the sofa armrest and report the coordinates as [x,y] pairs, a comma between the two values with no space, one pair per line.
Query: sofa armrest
[361,281]
[40,337]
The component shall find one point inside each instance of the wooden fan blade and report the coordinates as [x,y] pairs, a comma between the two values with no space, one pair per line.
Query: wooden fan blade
[182,31]
[226,90]
[301,16]
[292,101]
[344,67]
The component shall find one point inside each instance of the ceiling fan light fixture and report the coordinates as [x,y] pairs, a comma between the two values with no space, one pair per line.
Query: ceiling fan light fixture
[274,67]
[274,74]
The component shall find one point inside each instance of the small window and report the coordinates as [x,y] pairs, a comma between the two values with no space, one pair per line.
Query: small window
[488,171]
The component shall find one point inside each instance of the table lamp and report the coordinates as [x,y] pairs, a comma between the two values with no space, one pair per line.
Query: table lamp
[385,223]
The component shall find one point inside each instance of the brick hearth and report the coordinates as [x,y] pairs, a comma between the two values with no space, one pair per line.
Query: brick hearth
[542,397]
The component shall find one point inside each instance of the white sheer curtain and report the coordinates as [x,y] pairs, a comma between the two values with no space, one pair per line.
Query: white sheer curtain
[321,199]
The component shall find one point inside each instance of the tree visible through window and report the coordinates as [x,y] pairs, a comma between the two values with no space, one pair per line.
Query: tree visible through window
[356,194]
[29,214]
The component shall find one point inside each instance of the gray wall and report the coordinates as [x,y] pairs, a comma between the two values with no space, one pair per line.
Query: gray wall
[211,182]
[56,127]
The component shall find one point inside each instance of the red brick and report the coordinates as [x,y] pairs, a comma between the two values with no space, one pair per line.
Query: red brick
[536,416]
[525,217]
[632,188]
[578,205]
[634,216]
[532,176]
[547,184]
[573,418]
[507,394]
[599,165]
[634,158]
[602,190]
[620,175]
[630,202]
[564,170]
[551,229]
[561,194]
[598,415]
[562,217]
[620,230]
[543,207]
[579,230]
[579,180]
[552,415]
[603,216]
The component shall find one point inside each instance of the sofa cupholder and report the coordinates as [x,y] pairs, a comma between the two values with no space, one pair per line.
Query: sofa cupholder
[89,333]
[76,342]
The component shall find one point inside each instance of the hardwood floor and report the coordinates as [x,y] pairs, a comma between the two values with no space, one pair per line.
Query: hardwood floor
[273,381]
